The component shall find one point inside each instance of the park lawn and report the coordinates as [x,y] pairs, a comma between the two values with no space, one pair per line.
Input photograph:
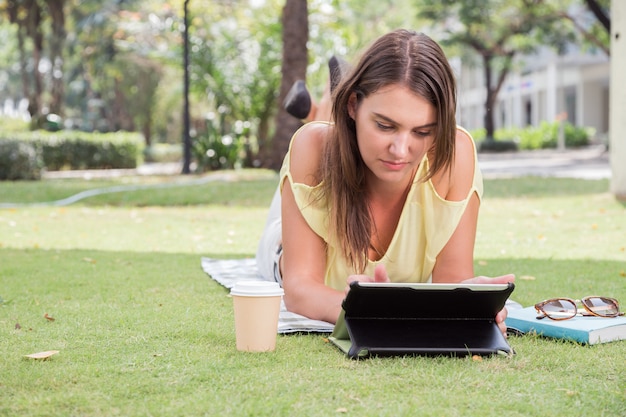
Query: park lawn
[142,331]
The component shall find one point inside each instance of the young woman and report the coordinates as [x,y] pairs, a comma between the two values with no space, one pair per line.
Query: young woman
[389,191]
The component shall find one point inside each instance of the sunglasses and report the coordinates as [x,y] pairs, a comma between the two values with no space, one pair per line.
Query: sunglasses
[567,308]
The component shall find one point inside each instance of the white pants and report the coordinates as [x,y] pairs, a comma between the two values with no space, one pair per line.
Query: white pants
[270,246]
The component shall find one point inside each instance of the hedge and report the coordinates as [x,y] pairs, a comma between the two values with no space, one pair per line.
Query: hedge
[79,150]
[19,161]
[543,136]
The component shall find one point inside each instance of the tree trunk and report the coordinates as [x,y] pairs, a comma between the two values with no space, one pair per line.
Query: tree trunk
[33,25]
[23,62]
[490,100]
[294,64]
[146,129]
[186,81]
[57,40]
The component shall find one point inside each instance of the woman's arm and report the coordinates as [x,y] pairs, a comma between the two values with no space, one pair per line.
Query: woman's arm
[303,262]
[455,262]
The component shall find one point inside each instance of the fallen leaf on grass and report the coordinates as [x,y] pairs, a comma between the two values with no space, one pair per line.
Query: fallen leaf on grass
[47,317]
[477,358]
[42,355]
[17,326]
[527,278]
[91,261]
[341,410]
[568,392]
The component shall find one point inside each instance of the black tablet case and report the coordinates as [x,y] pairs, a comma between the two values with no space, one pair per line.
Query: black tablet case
[400,320]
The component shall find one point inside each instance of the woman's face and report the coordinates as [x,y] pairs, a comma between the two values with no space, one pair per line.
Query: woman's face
[395,128]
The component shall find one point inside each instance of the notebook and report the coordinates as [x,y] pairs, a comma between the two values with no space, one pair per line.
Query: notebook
[383,319]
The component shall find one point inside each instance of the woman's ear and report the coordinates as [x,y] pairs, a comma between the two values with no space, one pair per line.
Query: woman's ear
[352,105]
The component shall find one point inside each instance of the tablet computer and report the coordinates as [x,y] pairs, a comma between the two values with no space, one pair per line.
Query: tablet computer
[421,318]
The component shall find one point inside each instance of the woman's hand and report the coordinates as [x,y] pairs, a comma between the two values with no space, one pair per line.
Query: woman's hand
[380,275]
[503,279]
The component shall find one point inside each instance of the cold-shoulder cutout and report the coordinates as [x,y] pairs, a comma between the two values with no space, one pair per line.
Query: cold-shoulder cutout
[457,182]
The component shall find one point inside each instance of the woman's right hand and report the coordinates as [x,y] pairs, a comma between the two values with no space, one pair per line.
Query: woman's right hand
[380,275]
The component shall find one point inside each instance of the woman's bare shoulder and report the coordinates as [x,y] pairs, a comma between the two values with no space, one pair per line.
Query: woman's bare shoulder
[306,152]
[455,182]
[463,168]
[464,148]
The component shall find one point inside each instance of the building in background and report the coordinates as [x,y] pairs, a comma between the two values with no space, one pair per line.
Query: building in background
[547,87]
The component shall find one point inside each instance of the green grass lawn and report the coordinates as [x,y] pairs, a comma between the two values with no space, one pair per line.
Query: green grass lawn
[142,331]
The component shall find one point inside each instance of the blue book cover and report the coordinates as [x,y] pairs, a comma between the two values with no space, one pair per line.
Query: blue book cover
[582,329]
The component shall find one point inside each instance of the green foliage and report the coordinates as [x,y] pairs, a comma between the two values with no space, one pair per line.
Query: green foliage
[235,72]
[114,74]
[163,152]
[544,136]
[10,75]
[19,161]
[492,26]
[576,136]
[70,149]
[346,28]
[11,125]
[495,31]
[215,149]
[593,35]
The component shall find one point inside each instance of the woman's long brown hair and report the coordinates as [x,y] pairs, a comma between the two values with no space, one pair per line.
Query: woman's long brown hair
[401,57]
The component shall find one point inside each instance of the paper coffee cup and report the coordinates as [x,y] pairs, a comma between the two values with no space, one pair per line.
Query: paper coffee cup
[257,306]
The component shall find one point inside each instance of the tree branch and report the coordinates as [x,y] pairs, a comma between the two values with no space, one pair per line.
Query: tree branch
[587,35]
[597,11]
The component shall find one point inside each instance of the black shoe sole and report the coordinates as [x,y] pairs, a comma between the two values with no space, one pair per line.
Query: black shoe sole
[298,100]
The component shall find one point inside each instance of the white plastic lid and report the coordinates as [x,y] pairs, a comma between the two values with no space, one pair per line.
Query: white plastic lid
[257,289]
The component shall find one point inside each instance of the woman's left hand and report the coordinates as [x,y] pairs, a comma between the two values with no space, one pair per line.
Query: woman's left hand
[503,279]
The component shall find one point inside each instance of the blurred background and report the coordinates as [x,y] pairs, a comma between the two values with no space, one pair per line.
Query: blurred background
[117,83]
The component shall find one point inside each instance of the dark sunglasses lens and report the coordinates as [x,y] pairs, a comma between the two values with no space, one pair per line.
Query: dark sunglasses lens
[559,309]
[602,306]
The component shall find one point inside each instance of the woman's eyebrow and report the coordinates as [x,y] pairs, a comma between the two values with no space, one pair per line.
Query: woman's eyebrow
[389,120]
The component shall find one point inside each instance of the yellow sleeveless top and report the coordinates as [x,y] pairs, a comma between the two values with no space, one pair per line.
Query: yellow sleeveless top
[426,223]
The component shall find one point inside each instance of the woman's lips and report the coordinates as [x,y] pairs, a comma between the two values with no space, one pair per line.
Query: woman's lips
[394,166]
